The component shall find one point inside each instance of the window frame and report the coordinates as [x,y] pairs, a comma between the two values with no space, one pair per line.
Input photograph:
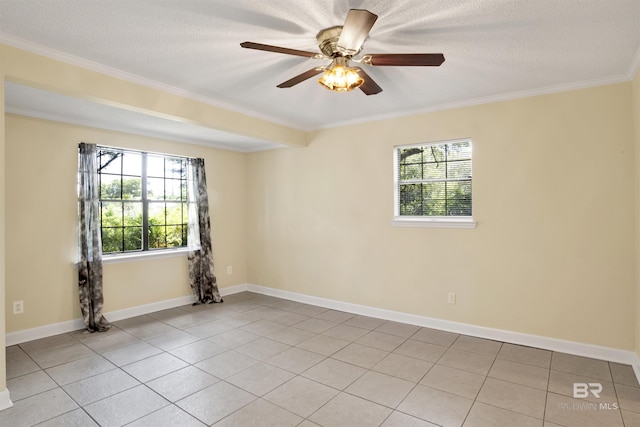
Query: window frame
[425,220]
[145,252]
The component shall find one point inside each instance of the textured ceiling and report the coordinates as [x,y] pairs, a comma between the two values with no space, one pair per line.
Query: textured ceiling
[494,49]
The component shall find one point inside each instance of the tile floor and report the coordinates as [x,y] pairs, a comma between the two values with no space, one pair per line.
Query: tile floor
[262,361]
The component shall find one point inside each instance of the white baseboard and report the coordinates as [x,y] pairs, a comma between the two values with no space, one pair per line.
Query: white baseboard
[5,401]
[25,335]
[553,344]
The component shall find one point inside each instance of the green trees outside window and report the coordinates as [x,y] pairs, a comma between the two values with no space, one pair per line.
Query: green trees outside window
[143,201]
[434,180]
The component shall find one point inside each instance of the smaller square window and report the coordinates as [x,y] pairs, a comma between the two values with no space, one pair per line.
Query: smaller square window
[433,182]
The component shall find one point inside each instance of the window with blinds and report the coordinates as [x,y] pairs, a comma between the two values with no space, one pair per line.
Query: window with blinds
[434,180]
[143,200]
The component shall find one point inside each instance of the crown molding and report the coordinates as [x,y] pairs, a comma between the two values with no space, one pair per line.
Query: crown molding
[57,55]
[490,99]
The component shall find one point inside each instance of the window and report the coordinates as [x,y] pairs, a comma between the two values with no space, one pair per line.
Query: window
[143,201]
[433,182]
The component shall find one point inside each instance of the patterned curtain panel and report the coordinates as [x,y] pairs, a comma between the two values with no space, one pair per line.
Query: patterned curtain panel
[89,242]
[202,276]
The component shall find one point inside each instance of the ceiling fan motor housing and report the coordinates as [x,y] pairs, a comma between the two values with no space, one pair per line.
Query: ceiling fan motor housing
[328,42]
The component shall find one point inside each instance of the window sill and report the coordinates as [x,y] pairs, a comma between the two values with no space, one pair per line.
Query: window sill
[444,222]
[143,256]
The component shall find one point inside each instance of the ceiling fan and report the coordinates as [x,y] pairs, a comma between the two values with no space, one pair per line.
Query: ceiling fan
[340,44]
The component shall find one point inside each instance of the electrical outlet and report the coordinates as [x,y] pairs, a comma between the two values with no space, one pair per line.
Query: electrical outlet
[451,298]
[18,307]
[229,269]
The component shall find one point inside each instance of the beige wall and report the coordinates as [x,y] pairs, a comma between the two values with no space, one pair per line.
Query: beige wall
[41,170]
[553,253]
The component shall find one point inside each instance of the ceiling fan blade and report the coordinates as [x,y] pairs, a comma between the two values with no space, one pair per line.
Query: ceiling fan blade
[355,30]
[278,49]
[403,59]
[302,77]
[369,87]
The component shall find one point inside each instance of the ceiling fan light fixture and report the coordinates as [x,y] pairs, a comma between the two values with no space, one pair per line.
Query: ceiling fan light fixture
[339,77]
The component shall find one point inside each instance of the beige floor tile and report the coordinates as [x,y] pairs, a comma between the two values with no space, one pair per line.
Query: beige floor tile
[398,419]
[76,418]
[98,387]
[436,406]
[289,319]
[420,350]
[262,348]
[514,397]
[154,367]
[519,373]
[181,383]
[260,379]
[526,355]
[113,339]
[260,413]
[29,384]
[360,355]
[295,360]
[472,362]
[566,411]
[623,374]
[151,330]
[315,325]
[335,316]
[455,381]
[346,332]
[334,373]
[173,340]
[380,388]
[477,345]
[49,343]
[18,362]
[308,310]
[348,410]
[55,356]
[381,340]
[628,397]
[434,336]
[364,322]
[631,419]
[579,365]
[131,353]
[262,327]
[301,396]
[228,398]
[234,338]
[290,336]
[170,415]
[38,408]
[198,351]
[563,383]
[403,330]
[323,344]
[482,415]
[79,369]
[209,329]
[125,407]
[226,364]
[407,368]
